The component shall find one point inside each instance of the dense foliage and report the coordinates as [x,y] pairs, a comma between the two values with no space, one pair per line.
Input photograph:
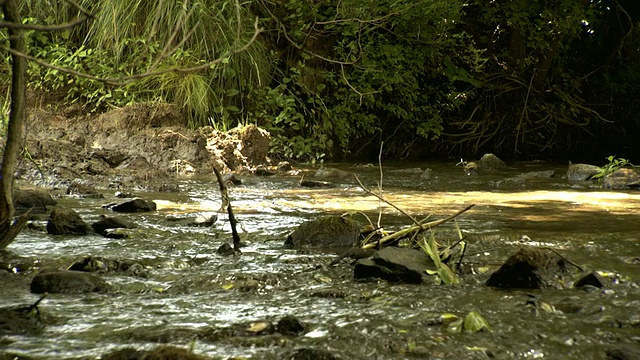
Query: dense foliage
[328,78]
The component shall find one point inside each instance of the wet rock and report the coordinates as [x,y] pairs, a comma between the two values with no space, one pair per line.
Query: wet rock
[407,171]
[39,200]
[163,352]
[591,279]
[624,352]
[12,263]
[262,171]
[290,325]
[316,184]
[395,264]
[354,253]
[123,195]
[96,264]
[67,282]
[23,319]
[544,174]
[133,206]
[529,268]
[328,232]
[202,220]
[312,354]
[581,172]
[103,225]
[621,179]
[284,166]
[332,173]
[231,178]
[83,191]
[490,162]
[65,221]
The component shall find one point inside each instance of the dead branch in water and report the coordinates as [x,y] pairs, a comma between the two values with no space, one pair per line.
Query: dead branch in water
[227,202]
[416,228]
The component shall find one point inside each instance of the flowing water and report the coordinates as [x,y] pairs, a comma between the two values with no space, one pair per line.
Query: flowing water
[189,296]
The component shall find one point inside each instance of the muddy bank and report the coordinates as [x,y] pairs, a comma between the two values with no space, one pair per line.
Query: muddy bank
[139,146]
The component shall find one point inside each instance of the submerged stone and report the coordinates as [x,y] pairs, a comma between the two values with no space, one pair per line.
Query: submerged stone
[67,282]
[395,264]
[103,226]
[591,279]
[290,325]
[163,352]
[25,319]
[327,232]
[529,268]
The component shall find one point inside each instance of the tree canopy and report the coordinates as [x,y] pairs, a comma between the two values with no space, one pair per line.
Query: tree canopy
[332,79]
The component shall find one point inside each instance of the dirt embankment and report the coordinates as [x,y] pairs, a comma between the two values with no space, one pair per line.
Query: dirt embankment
[143,146]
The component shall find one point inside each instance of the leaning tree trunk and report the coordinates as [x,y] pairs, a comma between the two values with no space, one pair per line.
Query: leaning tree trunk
[8,229]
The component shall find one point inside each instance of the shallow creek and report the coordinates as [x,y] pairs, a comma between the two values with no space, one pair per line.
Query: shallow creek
[188,288]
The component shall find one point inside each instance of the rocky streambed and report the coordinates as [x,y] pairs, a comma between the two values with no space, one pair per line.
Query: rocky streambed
[158,286]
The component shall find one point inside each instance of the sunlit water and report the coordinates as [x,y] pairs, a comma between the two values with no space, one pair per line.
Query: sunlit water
[190,292]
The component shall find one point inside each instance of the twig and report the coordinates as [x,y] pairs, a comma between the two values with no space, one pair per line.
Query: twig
[232,218]
[380,183]
[385,200]
[417,228]
[564,258]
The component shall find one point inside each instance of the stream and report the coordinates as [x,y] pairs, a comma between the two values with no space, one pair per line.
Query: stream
[190,297]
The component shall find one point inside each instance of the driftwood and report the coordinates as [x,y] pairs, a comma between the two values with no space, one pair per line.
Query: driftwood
[226,202]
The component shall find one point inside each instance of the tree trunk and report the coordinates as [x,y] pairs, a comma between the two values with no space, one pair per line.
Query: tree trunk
[9,230]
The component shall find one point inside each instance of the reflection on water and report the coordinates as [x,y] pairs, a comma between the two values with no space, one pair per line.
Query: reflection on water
[189,290]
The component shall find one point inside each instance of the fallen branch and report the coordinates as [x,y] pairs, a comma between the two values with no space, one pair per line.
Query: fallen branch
[227,202]
[416,228]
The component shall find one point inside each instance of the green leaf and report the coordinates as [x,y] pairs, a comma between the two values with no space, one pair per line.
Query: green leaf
[447,275]
[475,322]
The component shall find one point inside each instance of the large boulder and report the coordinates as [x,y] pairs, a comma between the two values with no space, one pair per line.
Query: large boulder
[327,232]
[67,282]
[581,172]
[395,264]
[530,268]
[65,221]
